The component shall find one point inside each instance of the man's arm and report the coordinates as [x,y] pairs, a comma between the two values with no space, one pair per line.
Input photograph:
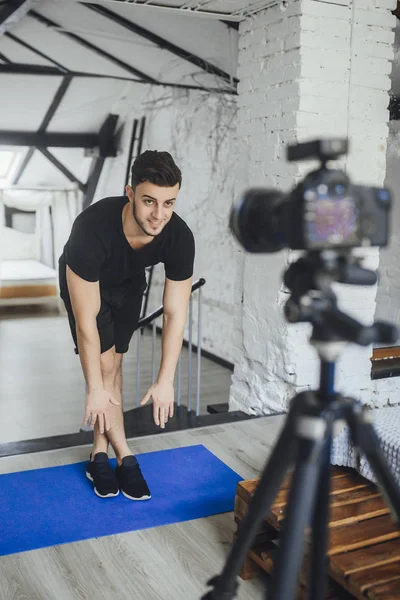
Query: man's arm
[85,301]
[175,301]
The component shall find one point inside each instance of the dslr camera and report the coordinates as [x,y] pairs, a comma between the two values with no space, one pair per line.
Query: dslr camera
[324,211]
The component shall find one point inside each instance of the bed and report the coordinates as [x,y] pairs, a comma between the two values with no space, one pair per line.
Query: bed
[28,255]
[23,278]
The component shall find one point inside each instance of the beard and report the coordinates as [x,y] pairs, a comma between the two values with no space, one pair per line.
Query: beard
[142,224]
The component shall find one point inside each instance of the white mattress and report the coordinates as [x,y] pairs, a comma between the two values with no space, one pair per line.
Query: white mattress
[24,271]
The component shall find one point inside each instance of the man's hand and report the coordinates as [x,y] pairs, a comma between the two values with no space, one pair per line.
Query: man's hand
[97,408]
[162,393]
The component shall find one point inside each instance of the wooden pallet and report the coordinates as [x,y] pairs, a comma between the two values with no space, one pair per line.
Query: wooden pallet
[364,542]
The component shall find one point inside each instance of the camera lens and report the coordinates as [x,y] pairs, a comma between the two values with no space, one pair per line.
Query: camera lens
[256,220]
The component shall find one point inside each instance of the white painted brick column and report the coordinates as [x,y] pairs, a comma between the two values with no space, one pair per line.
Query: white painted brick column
[307,69]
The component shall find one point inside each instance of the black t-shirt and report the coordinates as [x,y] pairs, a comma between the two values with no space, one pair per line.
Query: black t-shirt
[97,249]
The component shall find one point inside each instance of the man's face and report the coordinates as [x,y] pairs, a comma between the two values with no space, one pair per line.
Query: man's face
[152,206]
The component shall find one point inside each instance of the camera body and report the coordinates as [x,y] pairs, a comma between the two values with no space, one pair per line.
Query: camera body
[324,211]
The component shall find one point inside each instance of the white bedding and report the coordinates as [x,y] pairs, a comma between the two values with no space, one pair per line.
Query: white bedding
[24,271]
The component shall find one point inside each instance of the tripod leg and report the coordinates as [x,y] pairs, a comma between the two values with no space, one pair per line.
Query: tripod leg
[319,527]
[298,513]
[274,472]
[364,436]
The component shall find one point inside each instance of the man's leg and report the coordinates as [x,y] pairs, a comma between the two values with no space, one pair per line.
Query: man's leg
[111,366]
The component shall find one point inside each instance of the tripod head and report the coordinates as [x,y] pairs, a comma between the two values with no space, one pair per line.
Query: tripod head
[312,299]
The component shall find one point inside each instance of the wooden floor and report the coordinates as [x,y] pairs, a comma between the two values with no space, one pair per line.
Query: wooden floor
[165,563]
[42,387]
[42,394]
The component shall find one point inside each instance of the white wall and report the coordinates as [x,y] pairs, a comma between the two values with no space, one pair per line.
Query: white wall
[388,295]
[307,69]
[198,129]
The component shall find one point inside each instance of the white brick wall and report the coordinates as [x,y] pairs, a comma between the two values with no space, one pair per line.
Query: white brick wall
[314,69]
[388,295]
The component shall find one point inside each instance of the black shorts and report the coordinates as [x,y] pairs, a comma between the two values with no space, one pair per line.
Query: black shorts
[118,317]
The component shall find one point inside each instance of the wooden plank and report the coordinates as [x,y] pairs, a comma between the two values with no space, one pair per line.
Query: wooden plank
[363,492]
[368,578]
[342,515]
[332,588]
[385,591]
[264,559]
[28,291]
[366,533]
[240,512]
[246,489]
[356,512]
[382,353]
[367,492]
[343,565]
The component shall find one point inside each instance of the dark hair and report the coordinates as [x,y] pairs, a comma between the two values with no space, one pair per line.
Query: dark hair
[157,167]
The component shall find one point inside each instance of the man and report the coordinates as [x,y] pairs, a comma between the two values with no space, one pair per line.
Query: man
[102,280]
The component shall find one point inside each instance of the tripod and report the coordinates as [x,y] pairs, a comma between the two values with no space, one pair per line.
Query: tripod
[306,438]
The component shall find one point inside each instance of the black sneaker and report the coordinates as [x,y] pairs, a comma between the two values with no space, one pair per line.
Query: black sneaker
[99,471]
[131,480]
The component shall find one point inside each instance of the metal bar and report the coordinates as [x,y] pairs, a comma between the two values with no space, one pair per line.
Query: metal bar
[22,69]
[107,144]
[93,179]
[147,292]
[25,162]
[141,135]
[156,313]
[189,397]
[139,334]
[45,21]
[106,148]
[231,24]
[5,59]
[199,298]
[130,153]
[160,42]
[153,352]
[10,9]
[59,95]
[49,140]
[16,39]
[54,161]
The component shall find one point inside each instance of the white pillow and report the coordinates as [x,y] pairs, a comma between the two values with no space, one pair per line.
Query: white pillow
[16,245]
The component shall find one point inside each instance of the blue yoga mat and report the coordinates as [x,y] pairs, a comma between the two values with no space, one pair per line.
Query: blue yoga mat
[57,505]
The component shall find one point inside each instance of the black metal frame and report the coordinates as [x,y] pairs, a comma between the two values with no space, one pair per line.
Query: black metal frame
[130,153]
[49,23]
[16,39]
[107,147]
[144,78]
[52,140]
[59,95]
[24,69]
[9,9]
[5,59]
[54,161]
[160,42]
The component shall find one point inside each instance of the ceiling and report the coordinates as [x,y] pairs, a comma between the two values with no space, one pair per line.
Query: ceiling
[65,65]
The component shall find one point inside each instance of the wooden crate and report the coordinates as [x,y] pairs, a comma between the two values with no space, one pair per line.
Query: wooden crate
[364,542]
